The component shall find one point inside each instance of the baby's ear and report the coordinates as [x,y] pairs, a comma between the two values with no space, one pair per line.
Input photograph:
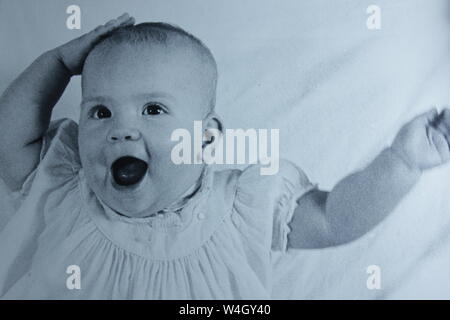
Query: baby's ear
[212,129]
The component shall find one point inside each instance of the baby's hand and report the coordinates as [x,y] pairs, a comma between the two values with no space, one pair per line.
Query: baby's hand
[73,53]
[423,142]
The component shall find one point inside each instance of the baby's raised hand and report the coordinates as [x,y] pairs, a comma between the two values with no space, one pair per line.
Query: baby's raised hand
[73,53]
[424,142]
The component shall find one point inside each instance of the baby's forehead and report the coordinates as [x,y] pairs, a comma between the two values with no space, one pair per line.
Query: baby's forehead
[130,66]
[179,56]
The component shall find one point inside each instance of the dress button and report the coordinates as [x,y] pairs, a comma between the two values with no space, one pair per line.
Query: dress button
[201,216]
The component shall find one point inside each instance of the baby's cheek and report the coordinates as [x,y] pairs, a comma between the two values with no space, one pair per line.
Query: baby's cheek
[160,149]
[92,158]
[159,163]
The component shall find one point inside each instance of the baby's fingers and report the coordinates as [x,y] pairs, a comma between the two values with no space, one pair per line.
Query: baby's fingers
[427,117]
[122,21]
[440,142]
[442,123]
[75,52]
[103,30]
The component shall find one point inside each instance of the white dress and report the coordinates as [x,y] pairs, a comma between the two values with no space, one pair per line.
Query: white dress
[219,246]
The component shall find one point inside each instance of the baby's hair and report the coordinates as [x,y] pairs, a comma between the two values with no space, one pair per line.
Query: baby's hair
[163,33]
[154,31]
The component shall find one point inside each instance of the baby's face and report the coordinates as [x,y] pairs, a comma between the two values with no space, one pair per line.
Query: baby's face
[134,97]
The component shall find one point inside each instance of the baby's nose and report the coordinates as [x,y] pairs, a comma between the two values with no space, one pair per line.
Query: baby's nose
[118,135]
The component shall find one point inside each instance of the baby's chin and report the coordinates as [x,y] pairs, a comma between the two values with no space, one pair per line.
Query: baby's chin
[134,201]
[129,188]
[133,205]
[125,185]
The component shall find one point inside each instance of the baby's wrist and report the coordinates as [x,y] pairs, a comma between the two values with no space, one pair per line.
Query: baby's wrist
[57,55]
[401,158]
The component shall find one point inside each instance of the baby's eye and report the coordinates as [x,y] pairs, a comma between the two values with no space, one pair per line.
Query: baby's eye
[101,112]
[153,109]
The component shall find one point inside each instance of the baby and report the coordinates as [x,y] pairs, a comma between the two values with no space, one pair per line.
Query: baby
[103,197]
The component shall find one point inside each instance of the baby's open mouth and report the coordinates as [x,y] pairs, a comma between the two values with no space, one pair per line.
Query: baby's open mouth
[128,170]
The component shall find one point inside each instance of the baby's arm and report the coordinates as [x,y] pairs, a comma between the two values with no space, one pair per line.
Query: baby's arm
[26,105]
[363,199]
